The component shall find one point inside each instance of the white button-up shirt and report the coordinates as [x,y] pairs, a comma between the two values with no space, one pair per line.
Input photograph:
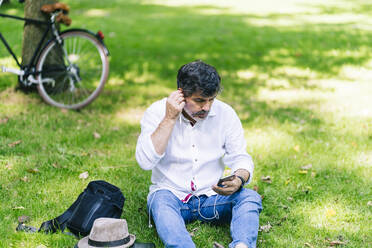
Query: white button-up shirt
[195,156]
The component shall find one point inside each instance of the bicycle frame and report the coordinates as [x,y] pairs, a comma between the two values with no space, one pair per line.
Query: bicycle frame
[39,46]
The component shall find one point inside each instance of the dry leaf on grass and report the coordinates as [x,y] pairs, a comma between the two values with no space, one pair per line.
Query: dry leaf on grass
[96,135]
[266,228]
[255,188]
[84,175]
[308,245]
[303,172]
[23,219]
[25,179]
[307,167]
[266,179]
[193,231]
[115,129]
[296,148]
[33,170]
[217,245]
[4,120]
[13,144]
[336,243]
[330,213]
[65,111]
[9,166]
[18,207]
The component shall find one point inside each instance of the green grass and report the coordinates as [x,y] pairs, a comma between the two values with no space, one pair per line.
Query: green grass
[298,73]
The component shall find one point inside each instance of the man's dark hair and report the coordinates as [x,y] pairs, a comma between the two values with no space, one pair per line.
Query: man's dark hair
[200,77]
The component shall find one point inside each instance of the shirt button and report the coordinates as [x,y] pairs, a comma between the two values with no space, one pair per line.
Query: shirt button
[196,160]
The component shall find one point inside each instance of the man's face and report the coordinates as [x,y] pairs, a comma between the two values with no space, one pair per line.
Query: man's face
[198,106]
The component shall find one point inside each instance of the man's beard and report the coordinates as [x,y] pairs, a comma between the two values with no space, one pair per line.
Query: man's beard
[200,115]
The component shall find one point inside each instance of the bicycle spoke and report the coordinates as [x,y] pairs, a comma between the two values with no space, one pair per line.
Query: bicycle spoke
[84,70]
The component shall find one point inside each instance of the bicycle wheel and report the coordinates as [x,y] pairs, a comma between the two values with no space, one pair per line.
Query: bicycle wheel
[72,74]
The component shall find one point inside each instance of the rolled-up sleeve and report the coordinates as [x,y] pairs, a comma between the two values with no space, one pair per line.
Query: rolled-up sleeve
[146,155]
[236,156]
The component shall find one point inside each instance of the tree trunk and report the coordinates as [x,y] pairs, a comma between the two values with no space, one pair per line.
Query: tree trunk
[32,33]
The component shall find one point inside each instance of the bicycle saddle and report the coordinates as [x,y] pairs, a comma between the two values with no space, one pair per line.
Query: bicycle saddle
[63,19]
[50,8]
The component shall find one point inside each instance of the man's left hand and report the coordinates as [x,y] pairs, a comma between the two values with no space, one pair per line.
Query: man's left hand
[229,187]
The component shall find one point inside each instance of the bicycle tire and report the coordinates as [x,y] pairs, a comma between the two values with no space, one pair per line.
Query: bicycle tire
[75,80]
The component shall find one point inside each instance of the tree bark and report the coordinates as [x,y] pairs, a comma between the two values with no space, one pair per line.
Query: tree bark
[32,33]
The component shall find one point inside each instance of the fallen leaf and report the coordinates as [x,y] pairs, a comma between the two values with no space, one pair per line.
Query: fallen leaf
[287,181]
[4,120]
[84,175]
[33,170]
[337,242]
[217,245]
[255,188]
[18,207]
[55,165]
[23,219]
[96,135]
[13,144]
[193,231]
[296,148]
[266,179]
[330,212]
[115,129]
[9,166]
[65,111]
[302,172]
[308,245]
[266,228]
[369,203]
[307,167]
[25,179]
[289,198]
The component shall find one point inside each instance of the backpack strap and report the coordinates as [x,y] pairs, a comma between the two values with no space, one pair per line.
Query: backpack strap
[53,225]
[59,223]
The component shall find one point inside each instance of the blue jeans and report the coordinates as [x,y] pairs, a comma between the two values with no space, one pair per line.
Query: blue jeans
[240,209]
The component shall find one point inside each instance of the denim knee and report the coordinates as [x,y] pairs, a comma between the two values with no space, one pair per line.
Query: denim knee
[248,196]
[162,198]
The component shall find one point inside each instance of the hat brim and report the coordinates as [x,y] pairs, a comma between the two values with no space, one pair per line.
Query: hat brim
[83,243]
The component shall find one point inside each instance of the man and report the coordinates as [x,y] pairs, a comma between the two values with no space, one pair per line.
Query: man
[186,140]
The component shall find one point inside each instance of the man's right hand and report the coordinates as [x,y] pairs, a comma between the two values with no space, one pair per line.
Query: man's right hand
[175,104]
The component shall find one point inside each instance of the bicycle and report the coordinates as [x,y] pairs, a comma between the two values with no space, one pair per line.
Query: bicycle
[71,69]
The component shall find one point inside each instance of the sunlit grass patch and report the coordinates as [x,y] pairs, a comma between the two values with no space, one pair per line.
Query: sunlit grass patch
[331,214]
[132,115]
[296,72]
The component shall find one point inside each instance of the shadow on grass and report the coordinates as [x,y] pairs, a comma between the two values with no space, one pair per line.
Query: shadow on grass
[148,44]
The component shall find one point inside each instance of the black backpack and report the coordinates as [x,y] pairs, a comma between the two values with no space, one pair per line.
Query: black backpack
[99,199]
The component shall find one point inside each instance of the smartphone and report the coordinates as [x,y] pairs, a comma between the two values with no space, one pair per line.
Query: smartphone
[224,179]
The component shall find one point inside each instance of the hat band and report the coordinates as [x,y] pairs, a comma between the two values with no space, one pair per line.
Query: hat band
[109,243]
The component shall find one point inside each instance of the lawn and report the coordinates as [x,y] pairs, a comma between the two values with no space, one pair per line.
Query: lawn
[298,73]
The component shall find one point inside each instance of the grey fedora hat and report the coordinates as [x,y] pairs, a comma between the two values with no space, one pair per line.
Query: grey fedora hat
[108,232]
